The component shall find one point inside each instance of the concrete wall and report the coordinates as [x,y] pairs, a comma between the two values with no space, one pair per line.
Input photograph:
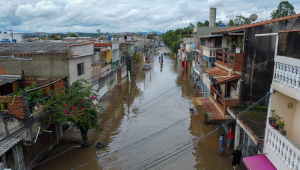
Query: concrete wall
[259,58]
[47,65]
[279,103]
[73,76]
[225,40]
[288,44]
[18,37]
[295,135]
[107,55]
[115,55]
[83,50]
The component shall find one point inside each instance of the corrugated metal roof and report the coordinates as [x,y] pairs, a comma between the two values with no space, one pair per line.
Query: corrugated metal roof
[7,79]
[216,72]
[7,144]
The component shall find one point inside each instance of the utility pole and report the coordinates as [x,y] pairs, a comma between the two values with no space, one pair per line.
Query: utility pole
[12,36]
[99,34]
[144,42]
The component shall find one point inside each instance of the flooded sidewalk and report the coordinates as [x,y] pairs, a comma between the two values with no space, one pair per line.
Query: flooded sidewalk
[153,101]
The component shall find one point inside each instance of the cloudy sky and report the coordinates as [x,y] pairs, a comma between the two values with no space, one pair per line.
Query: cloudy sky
[121,15]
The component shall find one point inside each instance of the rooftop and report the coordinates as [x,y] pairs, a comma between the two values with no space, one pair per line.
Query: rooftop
[256,24]
[102,44]
[28,48]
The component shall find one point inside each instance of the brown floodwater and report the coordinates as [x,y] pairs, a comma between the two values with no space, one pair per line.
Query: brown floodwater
[158,98]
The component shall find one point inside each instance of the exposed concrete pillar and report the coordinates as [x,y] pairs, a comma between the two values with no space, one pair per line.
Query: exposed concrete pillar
[237,134]
[19,161]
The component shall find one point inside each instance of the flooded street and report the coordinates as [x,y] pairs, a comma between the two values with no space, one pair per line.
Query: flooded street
[158,98]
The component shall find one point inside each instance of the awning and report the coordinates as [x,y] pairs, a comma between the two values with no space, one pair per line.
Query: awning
[7,144]
[221,75]
[258,162]
[210,36]
[4,79]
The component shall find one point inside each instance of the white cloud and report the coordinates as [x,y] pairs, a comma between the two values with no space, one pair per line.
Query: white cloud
[121,15]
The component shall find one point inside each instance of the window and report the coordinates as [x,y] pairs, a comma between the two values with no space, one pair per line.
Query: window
[80,69]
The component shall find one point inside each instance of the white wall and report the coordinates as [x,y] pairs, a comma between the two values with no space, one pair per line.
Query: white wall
[18,37]
[83,50]
[73,76]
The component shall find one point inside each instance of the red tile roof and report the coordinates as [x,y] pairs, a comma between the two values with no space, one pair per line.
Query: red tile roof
[289,31]
[256,24]
[218,72]
[102,44]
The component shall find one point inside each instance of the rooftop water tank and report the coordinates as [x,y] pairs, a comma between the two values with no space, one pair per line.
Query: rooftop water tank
[222,25]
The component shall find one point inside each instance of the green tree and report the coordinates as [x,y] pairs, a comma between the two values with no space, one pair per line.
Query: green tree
[169,37]
[206,23]
[200,24]
[284,9]
[175,46]
[191,26]
[70,35]
[230,23]
[75,104]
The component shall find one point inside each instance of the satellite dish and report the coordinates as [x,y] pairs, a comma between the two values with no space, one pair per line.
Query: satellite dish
[253,17]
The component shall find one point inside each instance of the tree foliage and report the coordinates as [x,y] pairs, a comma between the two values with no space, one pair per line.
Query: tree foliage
[70,35]
[75,104]
[284,9]
[241,20]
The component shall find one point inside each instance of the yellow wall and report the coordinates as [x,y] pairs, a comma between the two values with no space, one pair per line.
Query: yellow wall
[296,124]
[107,55]
[279,103]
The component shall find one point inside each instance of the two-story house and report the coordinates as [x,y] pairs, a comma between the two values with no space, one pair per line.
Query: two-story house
[282,147]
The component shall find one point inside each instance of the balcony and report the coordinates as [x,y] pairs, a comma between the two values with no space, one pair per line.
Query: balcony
[100,72]
[209,52]
[287,80]
[232,61]
[281,150]
[222,102]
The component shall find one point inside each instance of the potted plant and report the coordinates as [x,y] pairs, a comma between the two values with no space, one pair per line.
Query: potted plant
[273,118]
[238,45]
[279,123]
[282,131]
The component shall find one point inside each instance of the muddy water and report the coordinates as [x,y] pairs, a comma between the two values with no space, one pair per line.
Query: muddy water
[157,99]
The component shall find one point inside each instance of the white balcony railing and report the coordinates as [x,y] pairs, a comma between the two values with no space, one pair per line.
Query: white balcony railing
[288,74]
[210,52]
[285,148]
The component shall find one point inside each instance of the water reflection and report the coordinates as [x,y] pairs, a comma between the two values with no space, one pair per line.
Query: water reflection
[156,99]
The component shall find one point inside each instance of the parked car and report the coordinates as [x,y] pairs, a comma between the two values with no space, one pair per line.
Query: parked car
[146,67]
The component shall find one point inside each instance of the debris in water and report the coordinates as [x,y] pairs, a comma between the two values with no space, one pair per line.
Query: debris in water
[126,98]
[100,145]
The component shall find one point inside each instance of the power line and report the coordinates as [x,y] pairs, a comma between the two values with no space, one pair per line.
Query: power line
[201,137]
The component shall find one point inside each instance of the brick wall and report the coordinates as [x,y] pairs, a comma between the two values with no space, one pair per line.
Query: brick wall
[8,100]
[11,104]
[2,70]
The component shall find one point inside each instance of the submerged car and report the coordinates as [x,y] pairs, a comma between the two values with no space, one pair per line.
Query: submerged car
[146,67]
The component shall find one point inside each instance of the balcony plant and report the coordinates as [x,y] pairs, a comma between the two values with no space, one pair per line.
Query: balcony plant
[282,131]
[279,123]
[237,44]
[272,120]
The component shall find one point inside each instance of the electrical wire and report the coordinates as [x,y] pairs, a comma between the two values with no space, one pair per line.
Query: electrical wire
[201,137]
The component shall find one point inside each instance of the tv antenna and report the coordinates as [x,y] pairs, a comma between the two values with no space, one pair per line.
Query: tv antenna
[253,17]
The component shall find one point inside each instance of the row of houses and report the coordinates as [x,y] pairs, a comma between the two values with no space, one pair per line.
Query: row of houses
[50,66]
[236,66]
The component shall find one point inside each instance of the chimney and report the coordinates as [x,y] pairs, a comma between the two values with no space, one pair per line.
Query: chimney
[212,17]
